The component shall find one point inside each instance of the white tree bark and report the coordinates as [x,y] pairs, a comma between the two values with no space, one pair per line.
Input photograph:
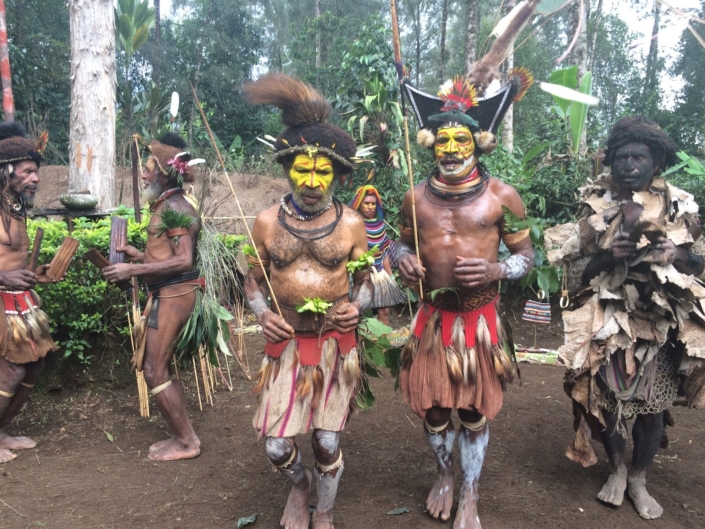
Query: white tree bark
[508,122]
[93,86]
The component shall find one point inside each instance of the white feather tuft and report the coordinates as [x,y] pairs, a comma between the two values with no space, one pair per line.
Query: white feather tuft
[503,24]
[569,94]
[174,108]
[269,145]
[196,161]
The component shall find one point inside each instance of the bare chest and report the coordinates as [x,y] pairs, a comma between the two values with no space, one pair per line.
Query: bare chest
[328,251]
[475,218]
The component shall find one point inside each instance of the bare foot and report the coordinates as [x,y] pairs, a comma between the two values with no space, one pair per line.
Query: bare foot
[466,517]
[440,499]
[613,490]
[170,450]
[6,455]
[16,443]
[323,520]
[159,445]
[646,506]
[296,514]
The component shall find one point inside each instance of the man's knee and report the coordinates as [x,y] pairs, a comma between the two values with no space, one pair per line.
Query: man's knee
[437,417]
[325,445]
[155,373]
[12,374]
[279,450]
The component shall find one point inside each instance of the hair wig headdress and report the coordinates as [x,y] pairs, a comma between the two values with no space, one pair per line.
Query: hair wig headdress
[16,146]
[638,129]
[172,159]
[476,101]
[304,114]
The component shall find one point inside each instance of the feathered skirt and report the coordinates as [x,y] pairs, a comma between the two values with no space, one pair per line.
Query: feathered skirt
[457,358]
[24,329]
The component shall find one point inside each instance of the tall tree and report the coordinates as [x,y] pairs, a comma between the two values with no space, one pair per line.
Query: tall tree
[442,46]
[157,21]
[93,86]
[508,122]
[649,93]
[472,23]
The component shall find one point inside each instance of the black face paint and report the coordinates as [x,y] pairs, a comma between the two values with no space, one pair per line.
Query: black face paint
[633,167]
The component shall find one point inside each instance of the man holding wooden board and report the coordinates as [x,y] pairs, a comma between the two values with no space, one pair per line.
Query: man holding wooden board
[24,329]
[167,266]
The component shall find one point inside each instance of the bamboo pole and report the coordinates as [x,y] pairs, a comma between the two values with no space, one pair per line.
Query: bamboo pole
[237,202]
[195,377]
[410,171]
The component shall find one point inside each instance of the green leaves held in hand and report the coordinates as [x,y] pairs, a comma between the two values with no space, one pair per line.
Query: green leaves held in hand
[366,260]
[316,305]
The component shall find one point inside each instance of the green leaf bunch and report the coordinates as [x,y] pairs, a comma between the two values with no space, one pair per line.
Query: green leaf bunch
[366,260]
[316,305]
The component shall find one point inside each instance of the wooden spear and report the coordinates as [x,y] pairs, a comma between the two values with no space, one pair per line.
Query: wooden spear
[397,60]
[237,202]
[8,105]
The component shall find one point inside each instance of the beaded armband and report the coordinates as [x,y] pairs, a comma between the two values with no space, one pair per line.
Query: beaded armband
[514,238]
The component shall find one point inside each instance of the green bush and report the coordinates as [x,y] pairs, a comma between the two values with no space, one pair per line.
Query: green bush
[84,307]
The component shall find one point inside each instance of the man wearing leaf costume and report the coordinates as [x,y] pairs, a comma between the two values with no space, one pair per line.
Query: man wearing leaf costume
[311,369]
[386,292]
[167,266]
[24,327]
[636,340]
[458,355]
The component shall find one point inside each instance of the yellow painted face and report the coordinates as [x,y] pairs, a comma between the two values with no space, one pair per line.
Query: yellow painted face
[312,171]
[455,152]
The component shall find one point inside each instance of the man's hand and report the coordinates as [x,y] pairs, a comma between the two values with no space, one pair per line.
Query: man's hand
[346,317]
[118,272]
[274,328]
[475,272]
[411,270]
[132,253]
[42,277]
[663,252]
[18,279]
[622,248]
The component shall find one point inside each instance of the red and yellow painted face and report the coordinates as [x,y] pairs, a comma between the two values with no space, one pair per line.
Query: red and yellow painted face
[312,171]
[455,152]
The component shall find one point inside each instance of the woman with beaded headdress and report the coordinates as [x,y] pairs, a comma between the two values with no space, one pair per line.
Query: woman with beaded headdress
[368,203]
[310,369]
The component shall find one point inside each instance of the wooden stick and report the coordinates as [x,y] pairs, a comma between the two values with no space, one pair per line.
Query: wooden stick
[38,236]
[63,258]
[118,239]
[98,259]
[237,202]
[195,376]
[409,168]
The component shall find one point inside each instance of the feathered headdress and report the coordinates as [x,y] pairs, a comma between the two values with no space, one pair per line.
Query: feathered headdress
[477,101]
[304,114]
[172,159]
[16,146]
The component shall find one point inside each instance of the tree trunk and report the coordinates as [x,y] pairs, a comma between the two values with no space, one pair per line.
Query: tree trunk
[471,25]
[418,42]
[8,104]
[93,85]
[597,18]
[651,80]
[444,27]
[508,122]
[197,73]
[318,35]
[157,21]
[579,54]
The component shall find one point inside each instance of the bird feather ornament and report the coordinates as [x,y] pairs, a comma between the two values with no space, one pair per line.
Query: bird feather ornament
[569,94]
[174,108]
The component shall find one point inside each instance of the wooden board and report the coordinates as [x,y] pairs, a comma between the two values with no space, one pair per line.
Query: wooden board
[118,239]
[97,258]
[63,258]
[38,236]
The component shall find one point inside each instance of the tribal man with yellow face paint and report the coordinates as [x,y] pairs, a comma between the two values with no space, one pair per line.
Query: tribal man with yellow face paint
[455,152]
[311,367]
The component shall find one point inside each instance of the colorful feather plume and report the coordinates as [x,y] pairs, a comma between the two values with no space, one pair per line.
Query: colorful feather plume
[42,142]
[458,94]
[525,78]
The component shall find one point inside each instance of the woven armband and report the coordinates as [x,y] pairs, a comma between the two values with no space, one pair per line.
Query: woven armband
[252,262]
[514,238]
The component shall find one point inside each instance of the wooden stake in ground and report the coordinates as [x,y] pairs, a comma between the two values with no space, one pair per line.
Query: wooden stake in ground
[410,171]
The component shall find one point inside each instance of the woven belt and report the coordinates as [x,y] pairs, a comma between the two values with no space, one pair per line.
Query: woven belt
[450,301]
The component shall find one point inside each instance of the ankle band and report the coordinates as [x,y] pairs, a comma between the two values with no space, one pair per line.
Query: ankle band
[6,394]
[435,429]
[327,468]
[475,426]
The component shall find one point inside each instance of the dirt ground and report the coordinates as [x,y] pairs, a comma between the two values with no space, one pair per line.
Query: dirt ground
[78,478]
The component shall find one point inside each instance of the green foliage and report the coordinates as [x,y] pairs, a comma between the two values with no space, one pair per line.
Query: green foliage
[366,260]
[84,306]
[377,352]
[689,175]
[572,112]
[315,305]
[133,20]
[170,219]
